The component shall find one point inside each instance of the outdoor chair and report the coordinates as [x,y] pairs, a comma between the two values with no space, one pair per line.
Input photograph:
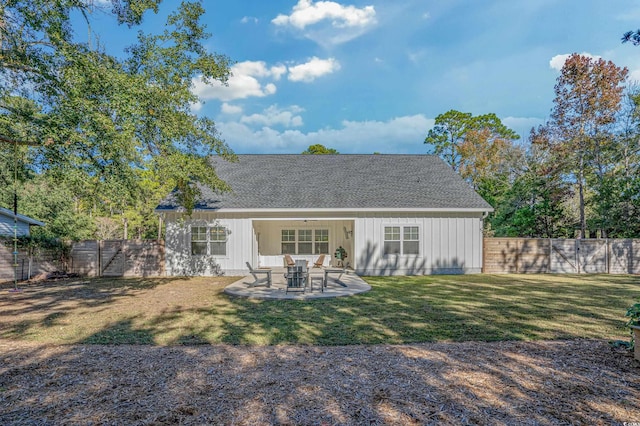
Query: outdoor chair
[297,276]
[266,279]
[288,260]
[318,263]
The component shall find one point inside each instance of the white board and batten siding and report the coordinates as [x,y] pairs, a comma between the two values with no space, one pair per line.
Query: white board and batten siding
[239,248]
[6,227]
[449,243]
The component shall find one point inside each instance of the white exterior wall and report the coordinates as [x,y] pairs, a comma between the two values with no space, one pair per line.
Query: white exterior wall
[179,261]
[449,242]
[6,227]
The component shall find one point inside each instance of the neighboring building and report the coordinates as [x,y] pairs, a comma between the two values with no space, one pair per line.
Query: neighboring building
[7,223]
[392,214]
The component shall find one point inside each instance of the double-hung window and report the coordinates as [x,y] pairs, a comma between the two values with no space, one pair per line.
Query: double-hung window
[209,240]
[288,241]
[305,241]
[401,240]
[321,240]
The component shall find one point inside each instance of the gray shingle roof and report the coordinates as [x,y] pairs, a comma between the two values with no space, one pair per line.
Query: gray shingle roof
[338,181]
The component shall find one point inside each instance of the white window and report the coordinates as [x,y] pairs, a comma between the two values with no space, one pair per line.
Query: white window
[321,239]
[401,240]
[208,240]
[198,240]
[410,240]
[391,240]
[288,241]
[305,241]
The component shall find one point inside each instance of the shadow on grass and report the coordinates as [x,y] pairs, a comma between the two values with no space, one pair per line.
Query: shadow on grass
[121,333]
[52,304]
[223,384]
[397,310]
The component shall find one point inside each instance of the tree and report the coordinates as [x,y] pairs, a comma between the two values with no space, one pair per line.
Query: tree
[319,149]
[455,130]
[588,94]
[618,205]
[100,118]
[632,36]
[480,148]
[534,204]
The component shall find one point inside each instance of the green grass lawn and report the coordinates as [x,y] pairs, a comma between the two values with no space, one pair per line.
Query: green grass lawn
[396,310]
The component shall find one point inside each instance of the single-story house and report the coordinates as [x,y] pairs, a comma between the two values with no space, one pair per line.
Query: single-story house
[390,214]
[24,223]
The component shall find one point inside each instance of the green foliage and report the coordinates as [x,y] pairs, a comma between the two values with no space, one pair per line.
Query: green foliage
[453,128]
[103,121]
[581,169]
[634,321]
[534,204]
[319,149]
[634,315]
[580,135]
[36,244]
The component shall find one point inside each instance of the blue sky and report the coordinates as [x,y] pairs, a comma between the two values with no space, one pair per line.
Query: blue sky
[371,76]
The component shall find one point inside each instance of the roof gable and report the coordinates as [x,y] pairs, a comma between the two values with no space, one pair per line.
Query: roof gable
[342,181]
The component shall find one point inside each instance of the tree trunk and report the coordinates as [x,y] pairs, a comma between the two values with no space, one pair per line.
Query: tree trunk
[583,220]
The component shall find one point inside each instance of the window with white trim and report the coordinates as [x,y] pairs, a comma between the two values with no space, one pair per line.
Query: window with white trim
[401,240]
[288,241]
[305,241]
[208,240]
[321,241]
[410,240]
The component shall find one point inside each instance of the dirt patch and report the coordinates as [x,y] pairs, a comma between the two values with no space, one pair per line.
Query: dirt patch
[537,383]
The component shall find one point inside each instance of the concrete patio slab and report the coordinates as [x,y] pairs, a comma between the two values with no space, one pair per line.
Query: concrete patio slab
[338,285]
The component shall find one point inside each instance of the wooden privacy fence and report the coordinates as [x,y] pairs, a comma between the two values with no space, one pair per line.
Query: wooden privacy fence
[43,261]
[551,255]
[117,258]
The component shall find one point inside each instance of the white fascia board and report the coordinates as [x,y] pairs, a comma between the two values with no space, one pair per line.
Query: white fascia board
[347,210]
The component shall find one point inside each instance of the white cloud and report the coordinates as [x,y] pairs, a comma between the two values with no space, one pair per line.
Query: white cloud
[247,19]
[230,109]
[557,62]
[98,2]
[307,13]
[634,75]
[313,69]
[245,82]
[278,71]
[398,135]
[274,116]
[196,106]
[328,22]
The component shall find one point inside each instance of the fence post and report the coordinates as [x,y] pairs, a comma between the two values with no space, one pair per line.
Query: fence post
[550,254]
[577,246]
[99,257]
[606,256]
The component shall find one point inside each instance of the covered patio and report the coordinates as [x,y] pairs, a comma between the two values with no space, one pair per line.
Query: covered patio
[338,284]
